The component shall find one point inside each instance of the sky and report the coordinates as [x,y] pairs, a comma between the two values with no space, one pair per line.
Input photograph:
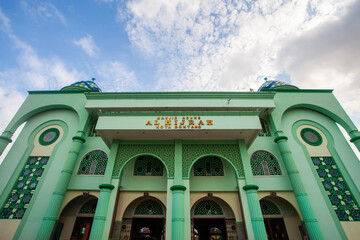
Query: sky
[178,45]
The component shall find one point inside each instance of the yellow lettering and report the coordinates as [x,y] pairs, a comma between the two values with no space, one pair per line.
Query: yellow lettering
[161,126]
[156,122]
[167,122]
[157,127]
[162,118]
[191,117]
[191,122]
[148,123]
[175,126]
[209,122]
[187,117]
[175,118]
[199,126]
[183,122]
[201,122]
[158,118]
[175,122]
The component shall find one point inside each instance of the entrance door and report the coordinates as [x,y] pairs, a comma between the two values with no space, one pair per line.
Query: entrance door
[210,229]
[275,228]
[147,228]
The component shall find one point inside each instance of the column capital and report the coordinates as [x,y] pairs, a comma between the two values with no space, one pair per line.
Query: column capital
[280,138]
[79,138]
[106,186]
[251,186]
[7,139]
[353,139]
[178,187]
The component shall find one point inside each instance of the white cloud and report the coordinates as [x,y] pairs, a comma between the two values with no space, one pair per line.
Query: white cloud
[43,9]
[88,45]
[4,19]
[116,77]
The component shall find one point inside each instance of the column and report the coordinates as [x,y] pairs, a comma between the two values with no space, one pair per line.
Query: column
[101,217]
[257,220]
[355,139]
[5,139]
[57,197]
[310,220]
[178,220]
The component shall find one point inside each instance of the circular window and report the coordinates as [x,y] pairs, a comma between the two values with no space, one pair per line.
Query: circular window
[311,137]
[49,136]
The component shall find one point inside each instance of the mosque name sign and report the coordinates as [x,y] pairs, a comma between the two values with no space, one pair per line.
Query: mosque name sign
[179,123]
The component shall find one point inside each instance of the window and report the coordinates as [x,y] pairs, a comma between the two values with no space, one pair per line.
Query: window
[209,166]
[148,166]
[93,163]
[264,163]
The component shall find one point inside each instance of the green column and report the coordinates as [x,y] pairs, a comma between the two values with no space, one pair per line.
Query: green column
[178,220]
[102,206]
[5,139]
[57,197]
[310,220]
[257,220]
[355,139]
[97,228]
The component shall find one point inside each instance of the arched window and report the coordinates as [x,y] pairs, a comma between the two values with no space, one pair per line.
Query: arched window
[93,163]
[148,166]
[209,166]
[149,207]
[269,208]
[264,163]
[208,207]
[264,132]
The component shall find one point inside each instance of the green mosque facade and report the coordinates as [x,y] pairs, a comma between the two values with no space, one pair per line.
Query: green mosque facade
[271,164]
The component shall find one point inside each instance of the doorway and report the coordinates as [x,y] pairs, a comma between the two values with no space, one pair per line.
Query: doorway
[275,229]
[147,228]
[212,229]
[82,227]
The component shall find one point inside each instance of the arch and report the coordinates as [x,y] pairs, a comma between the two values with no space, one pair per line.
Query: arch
[208,166]
[76,217]
[230,152]
[131,208]
[264,163]
[347,124]
[18,120]
[146,165]
[209,155]
[143,154]
[93,163]
[284,206]
[225,207]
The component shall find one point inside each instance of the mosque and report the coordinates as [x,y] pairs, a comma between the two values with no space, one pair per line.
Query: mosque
[270,164]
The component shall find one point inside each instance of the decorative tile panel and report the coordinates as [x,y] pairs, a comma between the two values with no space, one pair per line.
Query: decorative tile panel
[208,207]
[165,152]
[93,163]
[191,152]
[310,136]
[264,163]
[269,208]
[25,186]
[338,191]
[149,207]
[89,207]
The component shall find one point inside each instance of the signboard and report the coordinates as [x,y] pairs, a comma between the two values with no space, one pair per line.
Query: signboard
[176,122]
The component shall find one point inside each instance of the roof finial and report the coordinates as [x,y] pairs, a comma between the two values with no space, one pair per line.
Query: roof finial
[93,79]
[265,78]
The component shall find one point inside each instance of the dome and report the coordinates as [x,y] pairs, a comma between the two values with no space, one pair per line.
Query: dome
[275,85]
[82,86]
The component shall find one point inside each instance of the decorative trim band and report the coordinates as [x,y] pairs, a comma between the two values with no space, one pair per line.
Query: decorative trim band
[251,187]
[99,217]
[7,139]
[177,187]
[106,186]
[178,219]
[280,138]
[310,220]
[79,138]
[354,139]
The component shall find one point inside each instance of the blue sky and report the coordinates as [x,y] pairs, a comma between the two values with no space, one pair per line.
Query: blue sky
[178,45]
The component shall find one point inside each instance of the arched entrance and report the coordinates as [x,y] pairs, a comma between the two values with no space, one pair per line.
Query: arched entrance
[144,218]
[212,218]
[76,219]
[281,219]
